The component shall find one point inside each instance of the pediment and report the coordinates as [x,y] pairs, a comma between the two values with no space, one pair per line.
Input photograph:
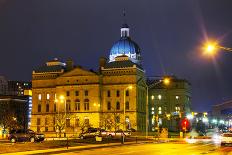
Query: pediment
[78,72]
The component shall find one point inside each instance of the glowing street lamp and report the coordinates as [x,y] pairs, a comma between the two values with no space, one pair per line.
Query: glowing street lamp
[212,48]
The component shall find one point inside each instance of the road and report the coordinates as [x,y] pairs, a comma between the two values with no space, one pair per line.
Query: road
[143,149]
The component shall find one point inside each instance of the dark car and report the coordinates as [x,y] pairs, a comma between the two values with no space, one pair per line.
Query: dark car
[90,133]
[21,135]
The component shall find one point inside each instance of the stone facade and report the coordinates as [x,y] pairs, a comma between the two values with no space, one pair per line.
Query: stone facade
[89,99]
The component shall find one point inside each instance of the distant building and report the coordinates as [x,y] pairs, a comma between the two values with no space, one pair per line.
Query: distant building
[14,111]
[222,114]
[3,86]
[168,104]
[17,87]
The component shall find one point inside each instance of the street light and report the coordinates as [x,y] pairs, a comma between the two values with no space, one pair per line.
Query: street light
[124,107]
[212,48]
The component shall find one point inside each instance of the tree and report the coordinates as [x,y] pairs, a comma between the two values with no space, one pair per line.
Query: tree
[111,120]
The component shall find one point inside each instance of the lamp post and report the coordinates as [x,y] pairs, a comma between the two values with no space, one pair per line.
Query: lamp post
[124,105]
[63,100]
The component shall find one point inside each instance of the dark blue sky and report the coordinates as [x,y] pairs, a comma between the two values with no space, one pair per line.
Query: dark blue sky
[169,33]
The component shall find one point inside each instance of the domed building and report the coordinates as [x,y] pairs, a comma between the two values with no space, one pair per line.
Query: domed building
[125,46]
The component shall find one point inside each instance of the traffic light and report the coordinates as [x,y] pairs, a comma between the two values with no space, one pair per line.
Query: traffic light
[184,125]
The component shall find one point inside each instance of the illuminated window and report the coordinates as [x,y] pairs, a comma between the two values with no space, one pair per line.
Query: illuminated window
[177,97]
[159,97]
[160,110]
[39,97]
[152,108]
[152,97]
[177,109]
[48,96]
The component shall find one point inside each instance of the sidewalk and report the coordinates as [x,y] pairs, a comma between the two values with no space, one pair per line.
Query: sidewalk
[70,149]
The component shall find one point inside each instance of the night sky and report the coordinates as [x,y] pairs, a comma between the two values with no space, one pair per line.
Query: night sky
[169,32]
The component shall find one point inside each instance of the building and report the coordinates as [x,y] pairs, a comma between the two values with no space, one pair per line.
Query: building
[222,115]
[168,103]
[17,87]
[3,86]
[68,98]
[14,111]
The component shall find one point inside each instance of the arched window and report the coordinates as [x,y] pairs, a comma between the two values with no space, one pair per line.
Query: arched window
[86,104]
[77,105]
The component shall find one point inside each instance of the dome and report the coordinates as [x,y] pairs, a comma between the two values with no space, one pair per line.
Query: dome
[125,46]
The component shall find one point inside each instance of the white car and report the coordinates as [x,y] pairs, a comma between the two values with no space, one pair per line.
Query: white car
[226,138]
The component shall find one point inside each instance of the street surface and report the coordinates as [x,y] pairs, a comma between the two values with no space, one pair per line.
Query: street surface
[172,148]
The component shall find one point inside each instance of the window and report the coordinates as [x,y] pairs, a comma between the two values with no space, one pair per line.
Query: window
[48,96]
[77,105]
[68,105]
[46,129]
[77,122]
[177,97]
[177,109]
[159,97]
[86,93]
[127,105]
[108,93]
[67,93]
[68,122]
[38,121]
[54,107]
[46,121]
[127,92]
[117,119]
[39,107]
[108,106]
[117,93]
[160,110]
[118,106]
[77,93]
[86,121]
[86,104]
[47,107]
[40,97]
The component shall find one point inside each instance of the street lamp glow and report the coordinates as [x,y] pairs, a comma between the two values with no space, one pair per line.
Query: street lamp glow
[166,81]
[210,48]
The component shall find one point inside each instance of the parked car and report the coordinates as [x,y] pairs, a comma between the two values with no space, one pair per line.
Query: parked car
[20,135]
[90,133]
[117,133]
[226,138]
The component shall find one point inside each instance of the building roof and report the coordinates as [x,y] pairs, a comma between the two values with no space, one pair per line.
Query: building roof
[121,64]
[46,69]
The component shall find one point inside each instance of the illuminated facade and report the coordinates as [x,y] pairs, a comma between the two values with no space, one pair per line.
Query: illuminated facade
[168,104]
[112,98]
